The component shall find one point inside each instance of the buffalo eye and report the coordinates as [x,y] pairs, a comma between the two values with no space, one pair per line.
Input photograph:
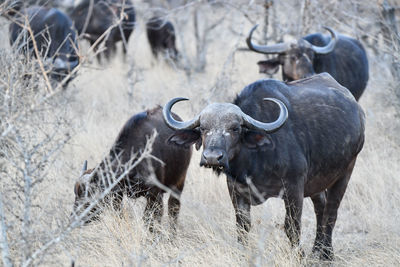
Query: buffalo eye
[79,189]
[203,130]
[235,129]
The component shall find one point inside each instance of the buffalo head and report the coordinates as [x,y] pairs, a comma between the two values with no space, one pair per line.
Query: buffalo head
[296,58]
[222,129]
[85,195]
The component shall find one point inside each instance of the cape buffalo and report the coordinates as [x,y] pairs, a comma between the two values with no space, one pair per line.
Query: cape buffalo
[54,36]
[93,18]
[309,148]
[342,57]
[161,36]
[171,172]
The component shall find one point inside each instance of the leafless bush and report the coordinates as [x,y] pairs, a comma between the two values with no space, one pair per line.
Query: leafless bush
[35,126]
[98,192]
[34,130]
[31,138]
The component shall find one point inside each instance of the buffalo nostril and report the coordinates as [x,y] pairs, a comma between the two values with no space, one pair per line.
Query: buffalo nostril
[213,156]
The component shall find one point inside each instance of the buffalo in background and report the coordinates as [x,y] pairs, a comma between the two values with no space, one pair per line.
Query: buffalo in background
[92,18]
[171,172]
[54,36]
[161,36]
[307,149]
[342,57]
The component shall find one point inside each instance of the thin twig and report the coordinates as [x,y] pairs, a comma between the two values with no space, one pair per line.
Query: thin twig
[78,219]
[46,78]
[5,251]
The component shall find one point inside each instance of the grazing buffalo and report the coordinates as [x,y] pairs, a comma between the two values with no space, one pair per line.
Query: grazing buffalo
[342,57]
[161,36]
[55,38]
[171,172]
[307,147]
[93,18]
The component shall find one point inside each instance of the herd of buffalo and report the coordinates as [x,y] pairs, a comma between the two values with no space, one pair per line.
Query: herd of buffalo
[292,139]
[55,33]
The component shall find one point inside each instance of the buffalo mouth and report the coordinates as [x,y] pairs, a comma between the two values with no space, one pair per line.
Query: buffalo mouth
[218,168]
[91,216]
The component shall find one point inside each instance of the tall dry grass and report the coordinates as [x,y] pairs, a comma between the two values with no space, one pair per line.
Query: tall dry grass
[103,97]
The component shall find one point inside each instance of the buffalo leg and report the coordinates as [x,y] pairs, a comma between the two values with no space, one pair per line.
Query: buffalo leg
[92,43]
[126,35]
[334,197]
[241,206]
[124,49]
[110,49]
[319,201]
[174,206]
[153,210]
[294,206]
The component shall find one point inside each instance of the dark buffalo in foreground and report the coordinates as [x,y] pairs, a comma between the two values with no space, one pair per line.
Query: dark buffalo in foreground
[92,21]
[161,36]
[308,148]
[54,36]
[342,57]
[171,172]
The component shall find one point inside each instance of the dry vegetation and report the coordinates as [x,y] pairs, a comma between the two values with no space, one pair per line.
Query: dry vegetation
[44,139]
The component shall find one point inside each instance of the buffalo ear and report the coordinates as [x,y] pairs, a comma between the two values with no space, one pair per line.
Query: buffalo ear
[253,140]
[198,144]
[185,138]
[13,8]
[270,66]
[79,189]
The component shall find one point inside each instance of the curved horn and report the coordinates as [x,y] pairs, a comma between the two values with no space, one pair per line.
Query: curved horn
[266,49]
[84,168]
[178,125]
[329,47]
[268,127]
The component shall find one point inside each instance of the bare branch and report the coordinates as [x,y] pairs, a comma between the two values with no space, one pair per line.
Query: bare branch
[77,220]
[5,251]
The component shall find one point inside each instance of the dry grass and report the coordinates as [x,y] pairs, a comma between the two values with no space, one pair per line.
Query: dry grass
[367,230]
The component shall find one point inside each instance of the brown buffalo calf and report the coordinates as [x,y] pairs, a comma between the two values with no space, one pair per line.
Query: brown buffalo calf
[169,167]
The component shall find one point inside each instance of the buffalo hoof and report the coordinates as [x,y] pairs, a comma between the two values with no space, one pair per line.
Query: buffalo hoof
[243,239]
[317,248]
[153,229]
[172,226]
[300,253]
[326,254]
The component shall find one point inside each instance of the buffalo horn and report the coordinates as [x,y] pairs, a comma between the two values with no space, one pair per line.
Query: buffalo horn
[329,47]
[178,125]
[84,168]
[266,49]
[268,127]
